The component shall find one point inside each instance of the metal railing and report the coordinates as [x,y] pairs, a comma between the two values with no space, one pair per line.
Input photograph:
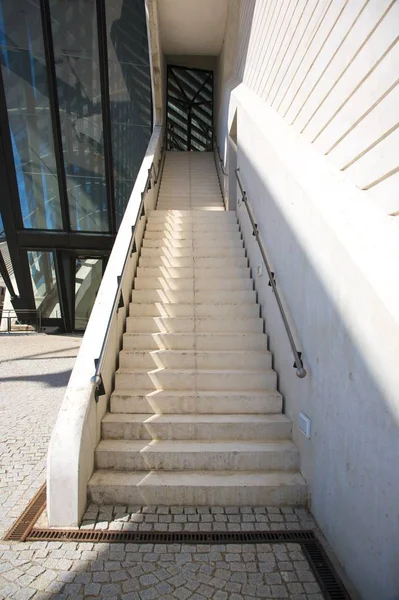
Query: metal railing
[12,314]
[298,364]
[221,163]
[119,301]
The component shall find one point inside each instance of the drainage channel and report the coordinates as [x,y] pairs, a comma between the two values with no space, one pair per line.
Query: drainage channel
[23,530]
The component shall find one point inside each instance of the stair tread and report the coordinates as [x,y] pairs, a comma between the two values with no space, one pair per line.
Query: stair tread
[190,351]
[196,478]
[185,371]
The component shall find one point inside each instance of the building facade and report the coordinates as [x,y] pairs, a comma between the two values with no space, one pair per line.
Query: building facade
[75,121]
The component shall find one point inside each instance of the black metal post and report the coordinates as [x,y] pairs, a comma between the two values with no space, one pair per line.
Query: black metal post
[54,111]
[11,210]
[106,112]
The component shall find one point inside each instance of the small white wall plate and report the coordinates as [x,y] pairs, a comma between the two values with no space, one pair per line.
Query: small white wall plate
[305,424]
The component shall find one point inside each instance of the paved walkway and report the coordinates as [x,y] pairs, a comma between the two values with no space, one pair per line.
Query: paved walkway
[34,371]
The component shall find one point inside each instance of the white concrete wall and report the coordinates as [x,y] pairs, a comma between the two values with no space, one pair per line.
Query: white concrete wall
[316,117]
[330,69]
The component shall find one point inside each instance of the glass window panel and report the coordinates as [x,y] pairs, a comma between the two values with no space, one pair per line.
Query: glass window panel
[88,276]
[20,26]
[26,91]
[74,27]
[130,94]
[44,283]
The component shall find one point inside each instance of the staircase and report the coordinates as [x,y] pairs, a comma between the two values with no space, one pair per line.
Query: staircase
[195,418]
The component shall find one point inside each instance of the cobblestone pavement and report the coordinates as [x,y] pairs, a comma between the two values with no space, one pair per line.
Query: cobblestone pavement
[34,371]
[203,518]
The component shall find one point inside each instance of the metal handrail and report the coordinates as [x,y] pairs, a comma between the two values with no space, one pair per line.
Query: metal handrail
[298,364]
[219,156]
[118,302]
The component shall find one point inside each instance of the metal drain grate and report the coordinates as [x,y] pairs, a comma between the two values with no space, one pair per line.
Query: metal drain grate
[180,537]
[20,530]
[323,569]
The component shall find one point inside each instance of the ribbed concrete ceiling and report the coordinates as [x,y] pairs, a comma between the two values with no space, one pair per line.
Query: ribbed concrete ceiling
[192,26]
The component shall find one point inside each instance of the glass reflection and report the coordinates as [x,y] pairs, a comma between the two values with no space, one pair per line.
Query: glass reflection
[130,93]
[88,276]
[26,91]
[74,28]
[44,283]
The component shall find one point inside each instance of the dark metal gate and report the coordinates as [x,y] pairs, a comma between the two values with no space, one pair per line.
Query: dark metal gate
[190,109]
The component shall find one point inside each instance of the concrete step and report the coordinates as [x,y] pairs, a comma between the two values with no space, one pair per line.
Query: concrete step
[187,297]
[198,341]
[197,455]
[198,272]
[196,284]
[198,488]
[192,209]
[191,325]
[187,218]
[195,359]
[192,231]
[191,261]
[159,309]
[198,242]
[206,252]
[196,402]
[178,226]
[191,379]
[190,195]
[206,206]
[119,426]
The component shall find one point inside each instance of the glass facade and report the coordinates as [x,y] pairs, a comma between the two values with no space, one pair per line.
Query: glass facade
[76,119]
[26,91]
[44,282]
[130,93]
[74,29]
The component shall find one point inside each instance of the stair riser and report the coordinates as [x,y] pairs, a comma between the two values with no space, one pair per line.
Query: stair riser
[184,201]
[198,360]
[196,193]
[288,495]
[183,297]
[210,252]
[198,272]
[189,219]
[204,263]
[271,404]
[199,310]
[205,461]
[190,262]
[205,206]
[192,431]
[175,341]
[205,381]
[161,283]
[190,325]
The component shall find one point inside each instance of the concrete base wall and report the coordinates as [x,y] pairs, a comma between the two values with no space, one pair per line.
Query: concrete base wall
[335,260]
